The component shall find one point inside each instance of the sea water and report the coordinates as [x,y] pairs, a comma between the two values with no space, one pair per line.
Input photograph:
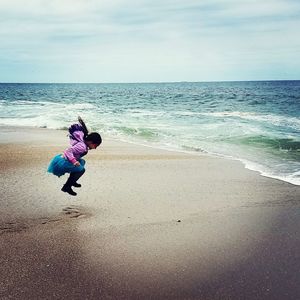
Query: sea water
[255,122]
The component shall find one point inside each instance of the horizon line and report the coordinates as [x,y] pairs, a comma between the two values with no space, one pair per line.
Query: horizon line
[152,82]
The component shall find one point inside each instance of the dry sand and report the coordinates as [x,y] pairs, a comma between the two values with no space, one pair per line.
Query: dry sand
[146,224]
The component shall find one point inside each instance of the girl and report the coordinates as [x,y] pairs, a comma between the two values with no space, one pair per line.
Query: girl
[70,161]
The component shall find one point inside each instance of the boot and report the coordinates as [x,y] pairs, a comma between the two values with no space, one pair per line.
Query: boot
[68,189]
[74,177]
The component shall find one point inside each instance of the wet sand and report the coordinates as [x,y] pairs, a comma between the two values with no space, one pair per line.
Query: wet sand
[146,224]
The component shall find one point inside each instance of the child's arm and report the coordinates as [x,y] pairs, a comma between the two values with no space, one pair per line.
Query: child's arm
[73,151]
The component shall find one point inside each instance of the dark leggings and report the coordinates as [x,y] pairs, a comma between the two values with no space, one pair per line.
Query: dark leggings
[74,176]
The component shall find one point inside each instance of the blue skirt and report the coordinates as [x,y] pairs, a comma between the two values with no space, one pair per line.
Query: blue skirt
[59,166]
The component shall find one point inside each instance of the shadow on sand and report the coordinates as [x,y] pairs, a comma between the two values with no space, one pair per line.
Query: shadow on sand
[44,259]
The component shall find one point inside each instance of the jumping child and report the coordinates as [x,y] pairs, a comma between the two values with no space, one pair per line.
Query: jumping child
[70,161]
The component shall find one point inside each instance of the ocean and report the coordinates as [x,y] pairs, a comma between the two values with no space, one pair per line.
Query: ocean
[256,122]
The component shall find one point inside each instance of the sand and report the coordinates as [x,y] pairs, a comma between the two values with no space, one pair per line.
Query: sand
[146,224]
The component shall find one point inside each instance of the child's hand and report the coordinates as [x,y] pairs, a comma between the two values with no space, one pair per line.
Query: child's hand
[77,164]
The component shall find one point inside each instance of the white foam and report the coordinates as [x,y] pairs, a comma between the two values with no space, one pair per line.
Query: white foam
[290,178]
[82,106]
[39,121]
[276,120]
[170,132]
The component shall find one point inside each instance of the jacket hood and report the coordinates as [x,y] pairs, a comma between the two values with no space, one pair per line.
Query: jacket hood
[77,136]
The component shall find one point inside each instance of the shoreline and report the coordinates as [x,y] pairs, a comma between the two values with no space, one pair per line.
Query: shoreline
[146,224]
[246,164]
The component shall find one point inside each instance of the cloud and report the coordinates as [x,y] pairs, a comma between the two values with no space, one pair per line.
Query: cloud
[174,40]
[67,8]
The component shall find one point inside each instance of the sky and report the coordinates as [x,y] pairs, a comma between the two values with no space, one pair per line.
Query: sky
[149,40]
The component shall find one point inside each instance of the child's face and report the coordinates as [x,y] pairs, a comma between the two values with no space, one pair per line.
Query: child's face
[93,146]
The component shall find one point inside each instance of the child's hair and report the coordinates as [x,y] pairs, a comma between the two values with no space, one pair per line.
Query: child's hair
[94,137]
[84,129]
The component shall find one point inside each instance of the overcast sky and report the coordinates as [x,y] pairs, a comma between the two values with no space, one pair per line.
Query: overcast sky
[148,40]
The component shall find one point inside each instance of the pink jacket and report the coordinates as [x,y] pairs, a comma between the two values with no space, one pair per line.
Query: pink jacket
[78,147]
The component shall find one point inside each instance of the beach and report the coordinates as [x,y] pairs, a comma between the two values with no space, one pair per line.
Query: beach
[146,224]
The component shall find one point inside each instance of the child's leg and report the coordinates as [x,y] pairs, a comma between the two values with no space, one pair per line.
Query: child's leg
[75,176]
[75,173]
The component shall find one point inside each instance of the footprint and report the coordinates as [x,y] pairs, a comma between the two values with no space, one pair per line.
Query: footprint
[70,212]
[73,212]
[48,220]
[12,227]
